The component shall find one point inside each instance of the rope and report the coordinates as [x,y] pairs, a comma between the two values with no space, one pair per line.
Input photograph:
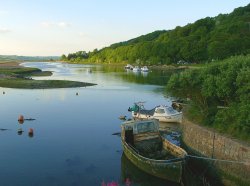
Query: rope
[214,159]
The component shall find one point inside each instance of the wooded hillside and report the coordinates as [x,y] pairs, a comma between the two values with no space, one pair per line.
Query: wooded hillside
[207,39]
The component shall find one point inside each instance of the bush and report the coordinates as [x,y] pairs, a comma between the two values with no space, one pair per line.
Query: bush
[224,83]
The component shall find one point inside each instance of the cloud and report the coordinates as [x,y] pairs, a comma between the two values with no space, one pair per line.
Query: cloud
[63,24]
[4,30]
[82,34]
[46,24]
[55,24]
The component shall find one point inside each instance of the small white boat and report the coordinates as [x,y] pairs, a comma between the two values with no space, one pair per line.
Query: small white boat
[129,67]
[144,69]
[162,112]
[136,69]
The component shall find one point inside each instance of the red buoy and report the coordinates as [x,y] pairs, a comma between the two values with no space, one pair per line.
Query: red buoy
[31,132]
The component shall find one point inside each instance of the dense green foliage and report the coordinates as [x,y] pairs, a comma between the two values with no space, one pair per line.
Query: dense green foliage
[205,40]
[219,94]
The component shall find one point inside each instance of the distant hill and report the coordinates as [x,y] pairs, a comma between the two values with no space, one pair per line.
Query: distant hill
[205,40]
[6,58]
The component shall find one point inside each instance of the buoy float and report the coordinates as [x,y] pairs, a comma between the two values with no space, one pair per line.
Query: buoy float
[31,132]
[21,119]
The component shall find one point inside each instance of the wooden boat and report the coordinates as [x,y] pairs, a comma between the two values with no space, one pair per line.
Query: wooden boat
[146,149]
[162,112]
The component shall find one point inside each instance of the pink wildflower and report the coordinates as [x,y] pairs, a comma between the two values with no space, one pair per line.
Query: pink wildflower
[127,182]
[112,184]
[103,183]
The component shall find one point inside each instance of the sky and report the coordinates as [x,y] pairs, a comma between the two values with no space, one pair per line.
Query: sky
[56,27]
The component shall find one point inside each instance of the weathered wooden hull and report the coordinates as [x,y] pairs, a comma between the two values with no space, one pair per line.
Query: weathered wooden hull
[165,169]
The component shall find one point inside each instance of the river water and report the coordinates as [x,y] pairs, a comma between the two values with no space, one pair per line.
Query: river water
[73,142]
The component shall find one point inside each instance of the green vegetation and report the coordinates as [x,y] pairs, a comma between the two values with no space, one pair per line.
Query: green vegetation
[40,84]
[18,77]
[23,72]
[219,95]
[17,71]
[206,40]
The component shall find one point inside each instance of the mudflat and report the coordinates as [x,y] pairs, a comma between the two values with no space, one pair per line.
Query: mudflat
[10,65]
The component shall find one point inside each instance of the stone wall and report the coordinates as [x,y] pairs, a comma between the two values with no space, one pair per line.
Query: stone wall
[214,145]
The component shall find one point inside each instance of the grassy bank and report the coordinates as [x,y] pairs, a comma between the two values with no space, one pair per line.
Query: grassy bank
[14,76]
[40,84]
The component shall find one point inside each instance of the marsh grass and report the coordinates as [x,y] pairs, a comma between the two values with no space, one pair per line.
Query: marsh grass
[19,77]
[40,84]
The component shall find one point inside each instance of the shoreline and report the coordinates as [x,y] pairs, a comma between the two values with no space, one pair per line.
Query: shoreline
[4,64]
[12,75]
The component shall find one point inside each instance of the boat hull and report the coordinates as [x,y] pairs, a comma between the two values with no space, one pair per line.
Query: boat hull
[165,169]
[171,119]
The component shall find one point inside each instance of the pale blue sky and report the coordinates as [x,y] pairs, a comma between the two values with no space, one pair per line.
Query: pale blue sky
[54,27]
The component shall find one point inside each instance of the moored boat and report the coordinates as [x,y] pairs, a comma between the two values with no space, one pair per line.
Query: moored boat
[144,69]
[136,69]
[146,149]
[162,112]
[128,67]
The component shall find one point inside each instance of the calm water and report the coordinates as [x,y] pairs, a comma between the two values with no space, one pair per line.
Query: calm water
[73,142]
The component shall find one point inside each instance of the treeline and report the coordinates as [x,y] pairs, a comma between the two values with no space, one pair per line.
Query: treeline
[205,40]
[219,95]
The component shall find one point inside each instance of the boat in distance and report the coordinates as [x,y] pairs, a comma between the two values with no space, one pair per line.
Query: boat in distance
[129,67]
[162,112]
[136,69]
[149,151]
[144,69]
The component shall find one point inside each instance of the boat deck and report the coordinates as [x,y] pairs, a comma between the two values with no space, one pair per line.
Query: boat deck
[147,112]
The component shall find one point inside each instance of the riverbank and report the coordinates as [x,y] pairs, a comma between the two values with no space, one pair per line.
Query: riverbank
[13,64]
[168,67]
[229,157]
[12,75]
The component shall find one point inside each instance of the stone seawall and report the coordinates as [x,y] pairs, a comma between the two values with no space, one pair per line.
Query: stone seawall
[214,145]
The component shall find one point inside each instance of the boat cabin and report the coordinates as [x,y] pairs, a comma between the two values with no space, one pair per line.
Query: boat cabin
[165,110]
[142,134]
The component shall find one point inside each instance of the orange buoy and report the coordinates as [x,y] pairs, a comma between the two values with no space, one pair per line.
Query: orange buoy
[21,119]
[31,132]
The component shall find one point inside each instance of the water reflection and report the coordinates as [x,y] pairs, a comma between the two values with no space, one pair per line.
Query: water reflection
[62,70]
[72,142]
[144,74]
[20,131]
[138,177]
